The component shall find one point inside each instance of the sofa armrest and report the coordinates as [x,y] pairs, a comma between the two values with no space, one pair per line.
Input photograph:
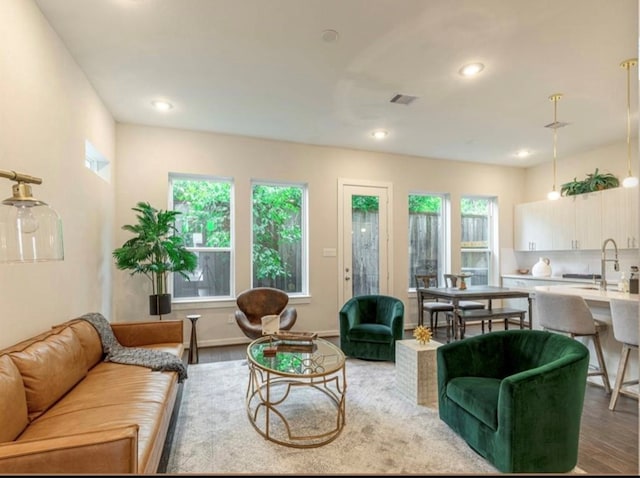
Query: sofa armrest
[137,334]
[110,451]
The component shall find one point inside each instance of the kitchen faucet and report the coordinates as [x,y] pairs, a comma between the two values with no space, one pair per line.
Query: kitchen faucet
[604,260]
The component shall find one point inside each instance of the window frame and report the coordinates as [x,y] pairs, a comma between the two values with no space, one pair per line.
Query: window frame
[304,225]
[445,245]
[492,234]
[231,249]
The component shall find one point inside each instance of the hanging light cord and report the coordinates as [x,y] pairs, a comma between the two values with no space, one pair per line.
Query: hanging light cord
[628,64]
[555,138]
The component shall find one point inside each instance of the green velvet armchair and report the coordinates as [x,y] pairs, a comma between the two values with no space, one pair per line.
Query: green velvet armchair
[370,326]
[516,397]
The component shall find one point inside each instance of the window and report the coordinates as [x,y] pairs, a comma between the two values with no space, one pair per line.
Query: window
[476,243]
[279,224]
[96,162]
[426,235]
[206,224]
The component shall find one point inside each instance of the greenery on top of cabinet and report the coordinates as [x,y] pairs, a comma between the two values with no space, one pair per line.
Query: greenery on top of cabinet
[593,182]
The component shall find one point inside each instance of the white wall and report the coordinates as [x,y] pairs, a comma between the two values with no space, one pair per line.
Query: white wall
[610,158]
[146,155]
[47,110]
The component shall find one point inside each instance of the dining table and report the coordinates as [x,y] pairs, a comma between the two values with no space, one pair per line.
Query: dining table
[474,292]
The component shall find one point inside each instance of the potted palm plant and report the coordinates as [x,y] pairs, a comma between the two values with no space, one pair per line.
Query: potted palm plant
[155,251]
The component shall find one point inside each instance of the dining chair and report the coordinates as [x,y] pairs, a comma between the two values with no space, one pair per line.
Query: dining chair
[432,306]
[452,281]
[570,314]
[624,319]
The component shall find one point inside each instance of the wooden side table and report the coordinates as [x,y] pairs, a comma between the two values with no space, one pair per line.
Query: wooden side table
[416,371]
[193,343]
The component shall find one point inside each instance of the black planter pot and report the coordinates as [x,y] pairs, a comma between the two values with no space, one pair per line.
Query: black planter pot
[160,304]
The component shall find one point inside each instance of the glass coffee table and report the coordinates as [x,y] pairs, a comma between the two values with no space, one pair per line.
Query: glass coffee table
[296,397]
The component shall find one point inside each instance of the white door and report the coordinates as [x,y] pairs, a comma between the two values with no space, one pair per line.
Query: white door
[365,241]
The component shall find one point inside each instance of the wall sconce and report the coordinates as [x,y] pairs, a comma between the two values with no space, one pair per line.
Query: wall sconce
[30,231]
[630,181]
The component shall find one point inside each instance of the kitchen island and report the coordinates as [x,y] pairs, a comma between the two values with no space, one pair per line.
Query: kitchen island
[598,301]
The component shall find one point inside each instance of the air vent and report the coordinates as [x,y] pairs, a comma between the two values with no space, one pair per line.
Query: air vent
[403,99]
[556,125]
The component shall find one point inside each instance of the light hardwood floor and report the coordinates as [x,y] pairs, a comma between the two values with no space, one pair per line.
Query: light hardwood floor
[608,439]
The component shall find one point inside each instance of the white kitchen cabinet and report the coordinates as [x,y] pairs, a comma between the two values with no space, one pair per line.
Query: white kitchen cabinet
[620,216]
[577,222]
[588,221]
[532,226]
[569,223]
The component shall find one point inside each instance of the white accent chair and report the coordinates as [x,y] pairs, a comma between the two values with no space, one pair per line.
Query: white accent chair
[624,318]
[570,315]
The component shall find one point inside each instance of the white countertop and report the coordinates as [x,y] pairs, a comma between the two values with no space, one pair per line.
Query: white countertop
[587,291]
[547,279]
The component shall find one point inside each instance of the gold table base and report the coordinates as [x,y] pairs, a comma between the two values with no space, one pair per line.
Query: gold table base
[268,392]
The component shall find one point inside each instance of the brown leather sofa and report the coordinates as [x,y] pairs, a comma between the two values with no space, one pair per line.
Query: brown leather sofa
[64,410]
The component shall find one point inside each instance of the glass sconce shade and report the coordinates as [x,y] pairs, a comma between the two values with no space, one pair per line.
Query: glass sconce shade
[30,231]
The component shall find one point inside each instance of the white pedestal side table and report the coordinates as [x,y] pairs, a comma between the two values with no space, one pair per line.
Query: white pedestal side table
[416,371]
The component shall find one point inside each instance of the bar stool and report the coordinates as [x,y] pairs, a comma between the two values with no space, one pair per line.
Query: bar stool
[193,343]
[570,314]
[624,318]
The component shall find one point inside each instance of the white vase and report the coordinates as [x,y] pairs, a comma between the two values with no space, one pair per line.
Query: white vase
[541,268]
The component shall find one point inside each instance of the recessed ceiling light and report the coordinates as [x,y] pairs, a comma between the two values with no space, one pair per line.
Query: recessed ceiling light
[161,105]
[380,134]
[471,69]
[523,153]
[330,36]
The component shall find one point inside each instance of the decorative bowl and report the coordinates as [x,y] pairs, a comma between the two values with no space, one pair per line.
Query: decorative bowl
[523,271]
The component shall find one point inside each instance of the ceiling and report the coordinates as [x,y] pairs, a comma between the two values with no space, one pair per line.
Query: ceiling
[263,68]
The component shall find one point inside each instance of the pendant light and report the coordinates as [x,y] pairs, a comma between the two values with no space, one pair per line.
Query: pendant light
[554,193]
[630,181]
[30,230]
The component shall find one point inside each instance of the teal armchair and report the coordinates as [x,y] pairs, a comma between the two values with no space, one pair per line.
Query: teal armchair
[370,326]
[516,397]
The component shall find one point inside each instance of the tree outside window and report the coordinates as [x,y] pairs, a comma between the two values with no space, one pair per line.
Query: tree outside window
[206,225]
[278,223]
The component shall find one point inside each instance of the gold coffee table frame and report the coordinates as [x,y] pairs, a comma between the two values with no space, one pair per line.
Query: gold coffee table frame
[322,369]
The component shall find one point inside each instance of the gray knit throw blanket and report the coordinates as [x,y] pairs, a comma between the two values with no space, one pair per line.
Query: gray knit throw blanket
[156,360]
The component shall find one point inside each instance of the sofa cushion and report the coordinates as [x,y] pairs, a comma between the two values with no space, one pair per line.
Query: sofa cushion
[13,400]
[50,367]
[90,340]
[113,395]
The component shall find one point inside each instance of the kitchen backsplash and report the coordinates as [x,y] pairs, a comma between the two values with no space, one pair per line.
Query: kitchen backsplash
[571,262]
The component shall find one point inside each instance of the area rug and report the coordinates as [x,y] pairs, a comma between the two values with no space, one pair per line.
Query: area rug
[384,433]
